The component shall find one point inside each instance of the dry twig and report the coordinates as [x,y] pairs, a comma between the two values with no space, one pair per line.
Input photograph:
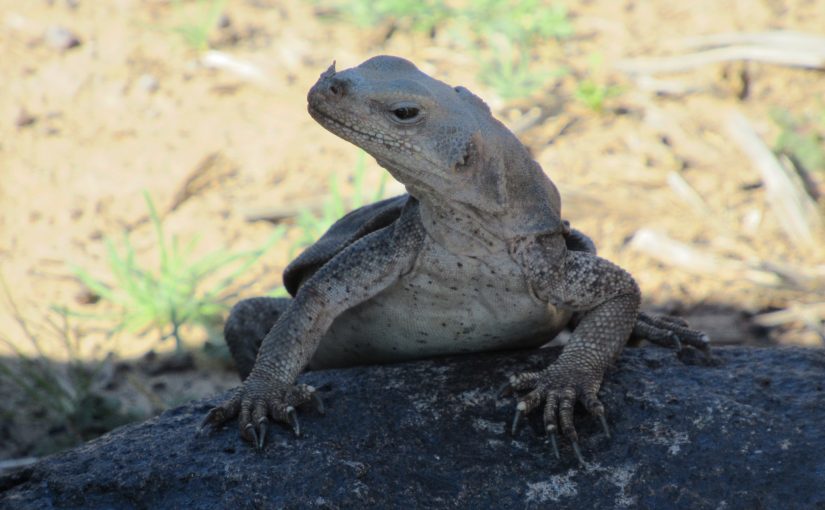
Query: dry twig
[783,48]
[795,210]
[809,314]
[690,258]
[778,38]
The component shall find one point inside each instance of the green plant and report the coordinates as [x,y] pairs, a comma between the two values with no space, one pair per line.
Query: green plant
[523,22]
[801,138]
[195,31]
[421,16]
[65,398]
[592,91]
[508,35]
[511,74]
[593,94]
[176,293]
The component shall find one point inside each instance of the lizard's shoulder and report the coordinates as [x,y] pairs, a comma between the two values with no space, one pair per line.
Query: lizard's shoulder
[350,228]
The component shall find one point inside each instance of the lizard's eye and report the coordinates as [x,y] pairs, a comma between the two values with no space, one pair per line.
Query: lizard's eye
[405,113]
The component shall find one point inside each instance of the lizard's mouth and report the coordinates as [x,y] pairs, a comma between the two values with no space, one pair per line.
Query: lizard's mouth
[343,129]
[376,146]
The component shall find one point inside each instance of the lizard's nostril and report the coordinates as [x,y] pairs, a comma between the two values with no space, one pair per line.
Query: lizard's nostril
[338,87]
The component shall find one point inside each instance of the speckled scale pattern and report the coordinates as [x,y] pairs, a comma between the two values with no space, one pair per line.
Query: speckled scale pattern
[448,304]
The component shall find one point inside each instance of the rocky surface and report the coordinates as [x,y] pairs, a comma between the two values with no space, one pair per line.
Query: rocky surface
[746,433]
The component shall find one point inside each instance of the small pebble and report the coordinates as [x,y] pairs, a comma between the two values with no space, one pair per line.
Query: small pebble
[148,83]
[24,118]
[86,297]
[61,38]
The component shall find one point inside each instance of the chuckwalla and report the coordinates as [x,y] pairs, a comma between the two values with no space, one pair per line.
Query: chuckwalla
[476,257]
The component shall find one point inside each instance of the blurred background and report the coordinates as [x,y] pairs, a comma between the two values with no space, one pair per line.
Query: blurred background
[157,164]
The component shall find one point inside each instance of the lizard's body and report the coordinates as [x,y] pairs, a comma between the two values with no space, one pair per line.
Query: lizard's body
[488,307]
[475,258]
[448,303]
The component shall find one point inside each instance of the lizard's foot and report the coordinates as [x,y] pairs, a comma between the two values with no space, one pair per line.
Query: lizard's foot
[558,386]
[668,331]
[258,401]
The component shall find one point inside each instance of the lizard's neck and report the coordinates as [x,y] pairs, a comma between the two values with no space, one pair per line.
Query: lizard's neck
[459,228]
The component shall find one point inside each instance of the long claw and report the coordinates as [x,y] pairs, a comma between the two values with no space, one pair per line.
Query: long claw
[553,442]
[517,418]
[677,344]
[293,420]
[578,452]
[209,419]
[505,390]
[251,429]
[261,433]
[319,404]
[603,421]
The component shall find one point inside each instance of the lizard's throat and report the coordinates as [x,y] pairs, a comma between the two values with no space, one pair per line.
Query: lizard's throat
[459,227]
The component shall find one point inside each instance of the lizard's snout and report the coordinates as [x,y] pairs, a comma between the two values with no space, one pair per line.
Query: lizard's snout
[331,86]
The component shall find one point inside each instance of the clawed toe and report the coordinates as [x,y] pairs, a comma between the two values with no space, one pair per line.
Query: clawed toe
[517,418]
[221,414]
[250,431]
[257,403]
[554,443]
[578,453]
[671,332]
[605,428]
[213,418]
[261,433]
[558,398]
[505,390]
[293,421]
[319,403]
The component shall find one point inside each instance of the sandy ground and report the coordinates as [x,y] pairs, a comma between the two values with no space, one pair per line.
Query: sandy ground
[85,129]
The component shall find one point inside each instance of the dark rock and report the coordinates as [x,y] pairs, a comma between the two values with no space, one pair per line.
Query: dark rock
[748,433]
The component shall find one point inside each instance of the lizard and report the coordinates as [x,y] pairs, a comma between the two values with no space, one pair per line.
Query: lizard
[474,257]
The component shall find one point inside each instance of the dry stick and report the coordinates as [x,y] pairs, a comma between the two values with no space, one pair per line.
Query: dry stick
[242,69]
[671,252]
[208,172]
[795,57]
[721,223]
[686,192]
[211,169]
[778,38]
[809,314]
[690,258]
[795,210]
[666,87]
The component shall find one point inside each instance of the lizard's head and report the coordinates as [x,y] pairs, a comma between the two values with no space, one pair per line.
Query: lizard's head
[434,138]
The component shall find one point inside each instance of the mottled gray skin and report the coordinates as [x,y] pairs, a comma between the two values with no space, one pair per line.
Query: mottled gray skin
[476,257]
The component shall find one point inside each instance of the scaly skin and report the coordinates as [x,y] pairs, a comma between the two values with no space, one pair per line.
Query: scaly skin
[480,231]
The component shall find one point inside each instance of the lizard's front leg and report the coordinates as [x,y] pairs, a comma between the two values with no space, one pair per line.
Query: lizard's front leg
[607,299]
[359,272]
